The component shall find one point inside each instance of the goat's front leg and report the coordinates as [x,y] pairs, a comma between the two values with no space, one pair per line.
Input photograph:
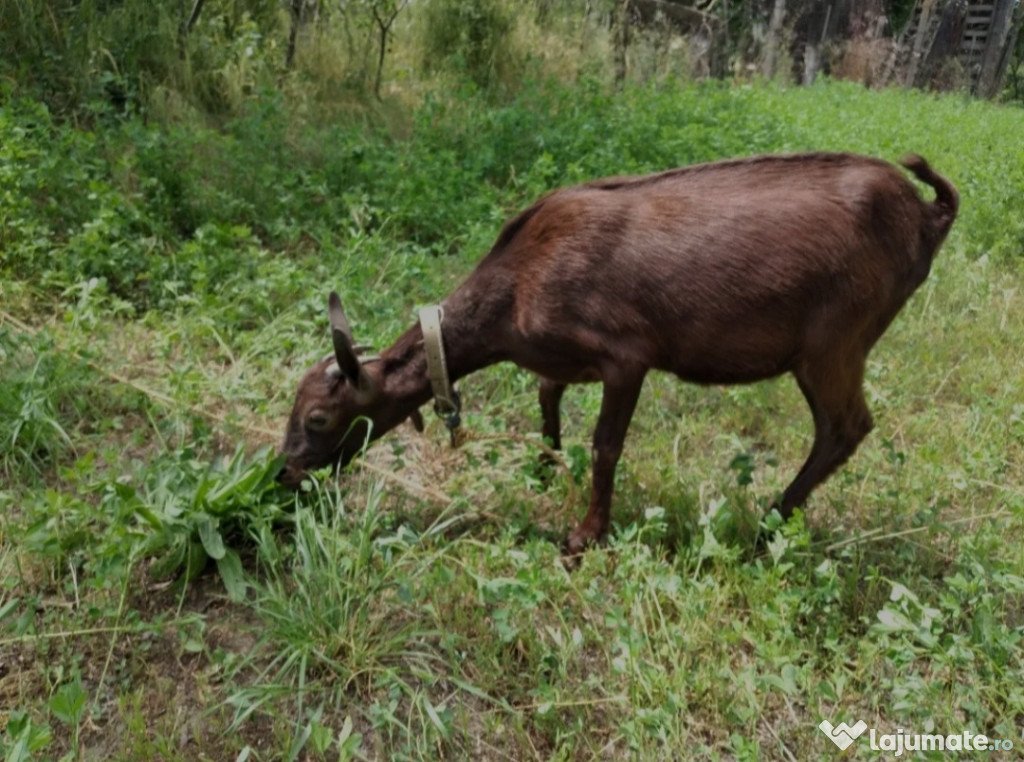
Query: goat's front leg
[550,399]
[621,390]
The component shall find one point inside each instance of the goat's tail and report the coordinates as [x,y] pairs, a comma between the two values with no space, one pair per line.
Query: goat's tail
[947,200]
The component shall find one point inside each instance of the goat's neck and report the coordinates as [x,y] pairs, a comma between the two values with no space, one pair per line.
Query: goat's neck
[471,342]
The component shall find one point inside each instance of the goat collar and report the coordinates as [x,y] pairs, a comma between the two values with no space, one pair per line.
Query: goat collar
[446,400]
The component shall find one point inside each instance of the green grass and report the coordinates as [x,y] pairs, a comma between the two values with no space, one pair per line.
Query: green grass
[162,292]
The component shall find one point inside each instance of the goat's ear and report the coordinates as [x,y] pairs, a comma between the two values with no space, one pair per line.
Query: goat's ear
[344,351]
[416,420]
[341,337]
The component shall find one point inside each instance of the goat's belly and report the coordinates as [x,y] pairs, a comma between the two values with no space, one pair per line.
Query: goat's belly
[720,374]
[562,371]
[731,362]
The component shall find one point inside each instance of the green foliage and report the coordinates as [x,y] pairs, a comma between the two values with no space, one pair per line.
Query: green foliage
[358,621]
[68,705]
[96,58]
[841,116]
[176,514]
[471,36]
[23,739]
[190,506]
[337,596]
[168,211]
[43,396]
[65,220]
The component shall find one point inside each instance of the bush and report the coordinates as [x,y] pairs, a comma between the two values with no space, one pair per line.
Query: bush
[471,37]
[45,395]
[161,212]
[95,57]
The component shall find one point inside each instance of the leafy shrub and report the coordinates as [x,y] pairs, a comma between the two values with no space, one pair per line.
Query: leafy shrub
[178,512]
[42,395]
[161,213]
[468,163]
[68,220]
[46,174]
[471,36]
[96,58]
[194,510]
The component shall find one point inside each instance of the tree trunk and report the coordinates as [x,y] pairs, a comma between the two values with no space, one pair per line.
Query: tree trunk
[187,24]
[295,7]
[588,9]
[812,62]
[1002,37]
[193,17]
[621,42]
[721,43]
[383,25]
[944,47]
[771,43]
[917,51]
[816,37]
[1010,48]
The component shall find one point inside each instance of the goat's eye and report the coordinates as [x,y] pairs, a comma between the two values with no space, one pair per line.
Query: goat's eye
[317,421]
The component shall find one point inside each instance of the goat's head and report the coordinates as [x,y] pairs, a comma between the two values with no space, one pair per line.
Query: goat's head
[338,408]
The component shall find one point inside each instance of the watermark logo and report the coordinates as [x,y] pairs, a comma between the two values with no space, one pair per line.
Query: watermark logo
[842,735]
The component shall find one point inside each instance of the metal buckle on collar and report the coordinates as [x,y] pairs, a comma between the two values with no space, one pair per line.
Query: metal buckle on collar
[450,413]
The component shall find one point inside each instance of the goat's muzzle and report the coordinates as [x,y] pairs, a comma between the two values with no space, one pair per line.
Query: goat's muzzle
[291,475]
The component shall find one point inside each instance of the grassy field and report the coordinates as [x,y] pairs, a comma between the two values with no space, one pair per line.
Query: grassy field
[161,292]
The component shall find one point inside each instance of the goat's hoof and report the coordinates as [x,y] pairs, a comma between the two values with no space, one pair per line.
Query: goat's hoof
[576,544]
[571,563]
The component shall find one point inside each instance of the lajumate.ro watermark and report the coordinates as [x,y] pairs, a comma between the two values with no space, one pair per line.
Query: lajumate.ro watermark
[844,736]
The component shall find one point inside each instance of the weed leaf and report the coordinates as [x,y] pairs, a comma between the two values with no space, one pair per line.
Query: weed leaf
[68,703]
[213,543]
[7,608]
[230,568]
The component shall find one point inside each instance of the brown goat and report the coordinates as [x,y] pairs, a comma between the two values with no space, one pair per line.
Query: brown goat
[721,273]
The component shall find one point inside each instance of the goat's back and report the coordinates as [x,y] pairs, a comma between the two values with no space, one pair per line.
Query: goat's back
[720,272]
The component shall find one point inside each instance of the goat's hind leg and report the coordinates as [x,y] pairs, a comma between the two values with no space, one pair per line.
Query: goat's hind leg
[834,391]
